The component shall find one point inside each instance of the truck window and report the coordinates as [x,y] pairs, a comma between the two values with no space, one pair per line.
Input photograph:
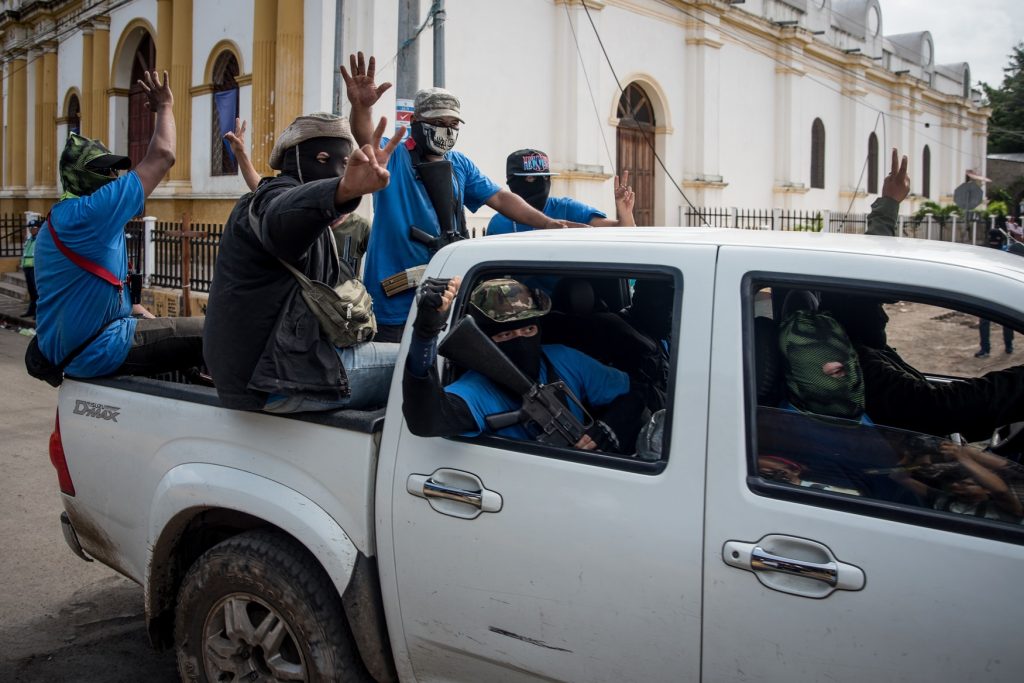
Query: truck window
[887,406]
[608,337]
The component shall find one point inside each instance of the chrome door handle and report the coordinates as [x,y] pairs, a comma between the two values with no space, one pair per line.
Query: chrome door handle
[794,565]
[433,489]
[761,560]
[454,493]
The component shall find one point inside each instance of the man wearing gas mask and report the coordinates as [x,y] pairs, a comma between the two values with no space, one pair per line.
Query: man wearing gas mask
[263,345]
[421,210]
[528,173]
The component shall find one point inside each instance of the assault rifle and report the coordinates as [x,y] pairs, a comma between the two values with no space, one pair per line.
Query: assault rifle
[545,406]
[436,177]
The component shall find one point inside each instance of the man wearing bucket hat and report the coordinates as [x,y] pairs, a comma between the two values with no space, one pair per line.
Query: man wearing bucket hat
[393,257]
[512,314]
[528,173]
[263,345]
[83,260]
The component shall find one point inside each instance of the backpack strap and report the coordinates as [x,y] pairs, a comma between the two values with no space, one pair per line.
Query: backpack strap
[82,262]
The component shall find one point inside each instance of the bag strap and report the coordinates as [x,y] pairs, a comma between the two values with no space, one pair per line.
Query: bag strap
[80,348]
[304,281]
[82,262]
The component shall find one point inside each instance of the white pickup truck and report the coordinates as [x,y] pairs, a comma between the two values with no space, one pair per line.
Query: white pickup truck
[340,546]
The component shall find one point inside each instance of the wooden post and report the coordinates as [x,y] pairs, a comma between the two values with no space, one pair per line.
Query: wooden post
[186,261]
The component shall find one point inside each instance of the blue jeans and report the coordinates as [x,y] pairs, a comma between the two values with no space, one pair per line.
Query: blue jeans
[368,367]
[983,333]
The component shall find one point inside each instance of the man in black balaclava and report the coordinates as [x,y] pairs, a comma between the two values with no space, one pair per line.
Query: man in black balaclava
[528,173]
[512,314]
[262,344]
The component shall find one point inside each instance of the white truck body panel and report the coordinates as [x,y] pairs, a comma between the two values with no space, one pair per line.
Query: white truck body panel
[586,572]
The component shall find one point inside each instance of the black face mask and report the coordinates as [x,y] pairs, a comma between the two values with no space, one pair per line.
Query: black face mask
[535,193]
[525,353]
[302,164]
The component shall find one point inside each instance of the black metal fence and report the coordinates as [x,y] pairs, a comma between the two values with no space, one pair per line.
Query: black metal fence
[12,234]
[204,239]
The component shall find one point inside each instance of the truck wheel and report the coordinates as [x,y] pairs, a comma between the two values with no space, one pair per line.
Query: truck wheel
[258,607]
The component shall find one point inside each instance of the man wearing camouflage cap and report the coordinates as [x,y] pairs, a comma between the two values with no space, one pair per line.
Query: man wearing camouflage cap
[392,253]
[83,260]
[512,315]
[264,347]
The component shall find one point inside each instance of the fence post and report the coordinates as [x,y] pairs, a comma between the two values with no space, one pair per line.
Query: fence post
[826,221]
[734,221]
[974,232]
[992,223]
[148,250]
[186,264]
[776,219]
[928,235]
[952,235]
[901,226]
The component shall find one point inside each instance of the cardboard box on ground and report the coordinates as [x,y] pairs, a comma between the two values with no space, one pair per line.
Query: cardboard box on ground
[167,303]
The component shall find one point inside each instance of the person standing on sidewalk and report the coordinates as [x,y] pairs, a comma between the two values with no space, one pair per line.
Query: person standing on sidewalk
[28,265]
[996,240]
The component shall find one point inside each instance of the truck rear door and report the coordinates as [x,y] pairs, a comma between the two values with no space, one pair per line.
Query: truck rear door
[580,567]
[832,549]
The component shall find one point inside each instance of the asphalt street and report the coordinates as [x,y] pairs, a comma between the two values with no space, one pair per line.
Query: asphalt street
[61,619]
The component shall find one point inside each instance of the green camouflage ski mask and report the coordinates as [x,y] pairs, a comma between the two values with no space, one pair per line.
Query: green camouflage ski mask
[85,166]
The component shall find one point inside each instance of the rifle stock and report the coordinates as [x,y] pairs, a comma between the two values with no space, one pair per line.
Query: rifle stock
[468,346]
[437,181]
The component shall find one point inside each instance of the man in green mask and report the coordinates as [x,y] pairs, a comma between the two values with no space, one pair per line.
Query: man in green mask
[84,316]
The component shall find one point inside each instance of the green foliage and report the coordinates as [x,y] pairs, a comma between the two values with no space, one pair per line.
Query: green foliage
[1007,102]
[940,214]
[817,225]
[996,208]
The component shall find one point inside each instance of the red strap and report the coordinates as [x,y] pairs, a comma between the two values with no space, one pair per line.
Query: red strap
[83,263]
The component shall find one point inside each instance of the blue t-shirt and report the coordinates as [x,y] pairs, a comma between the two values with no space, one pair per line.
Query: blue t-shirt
[558,208]
[404,203]
[592,383]
[73,303]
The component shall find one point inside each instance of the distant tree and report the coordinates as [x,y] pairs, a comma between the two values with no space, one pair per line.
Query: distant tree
[1006,128]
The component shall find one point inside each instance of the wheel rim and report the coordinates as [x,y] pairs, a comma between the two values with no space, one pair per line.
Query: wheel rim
[247,640]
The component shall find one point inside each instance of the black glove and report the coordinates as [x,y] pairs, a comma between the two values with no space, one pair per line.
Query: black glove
[429,322]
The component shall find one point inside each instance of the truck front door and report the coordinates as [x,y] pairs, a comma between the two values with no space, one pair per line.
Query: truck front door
[580,567]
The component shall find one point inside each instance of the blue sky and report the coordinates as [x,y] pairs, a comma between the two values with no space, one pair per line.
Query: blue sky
[981,32]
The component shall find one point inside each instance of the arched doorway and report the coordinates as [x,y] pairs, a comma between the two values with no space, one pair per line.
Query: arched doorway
[74,115]
[140,119]
[635,149]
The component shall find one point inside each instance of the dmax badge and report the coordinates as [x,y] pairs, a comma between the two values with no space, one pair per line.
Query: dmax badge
[97,410]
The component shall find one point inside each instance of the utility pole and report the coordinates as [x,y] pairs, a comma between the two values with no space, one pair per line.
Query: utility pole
[406,83]
[439,16]
[339,52]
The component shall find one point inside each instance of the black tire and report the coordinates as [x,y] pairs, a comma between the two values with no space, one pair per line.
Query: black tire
[262,579]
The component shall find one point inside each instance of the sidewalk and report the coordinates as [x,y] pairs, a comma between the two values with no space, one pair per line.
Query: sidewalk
[11,310]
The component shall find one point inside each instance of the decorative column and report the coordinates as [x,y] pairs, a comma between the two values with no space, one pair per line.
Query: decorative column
[48,176]
[164,33]
[181,81]
[853,142]
[4,143]
[791,134]
[87,124]
[264,53]
[17,118]
[288,65]
[701,170]
[100,79]
[36,61]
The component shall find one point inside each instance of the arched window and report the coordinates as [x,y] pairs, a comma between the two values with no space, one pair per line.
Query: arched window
[872,164]
[74,115]
[225,109]
[635,143]
[818,154]
[926,172]
[140,118]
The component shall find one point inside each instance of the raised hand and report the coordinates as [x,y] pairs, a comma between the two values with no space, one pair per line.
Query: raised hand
[896,185]
[157,94]
[236,138]
[434,298]
[360,86]
[367,166]
[625,198]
